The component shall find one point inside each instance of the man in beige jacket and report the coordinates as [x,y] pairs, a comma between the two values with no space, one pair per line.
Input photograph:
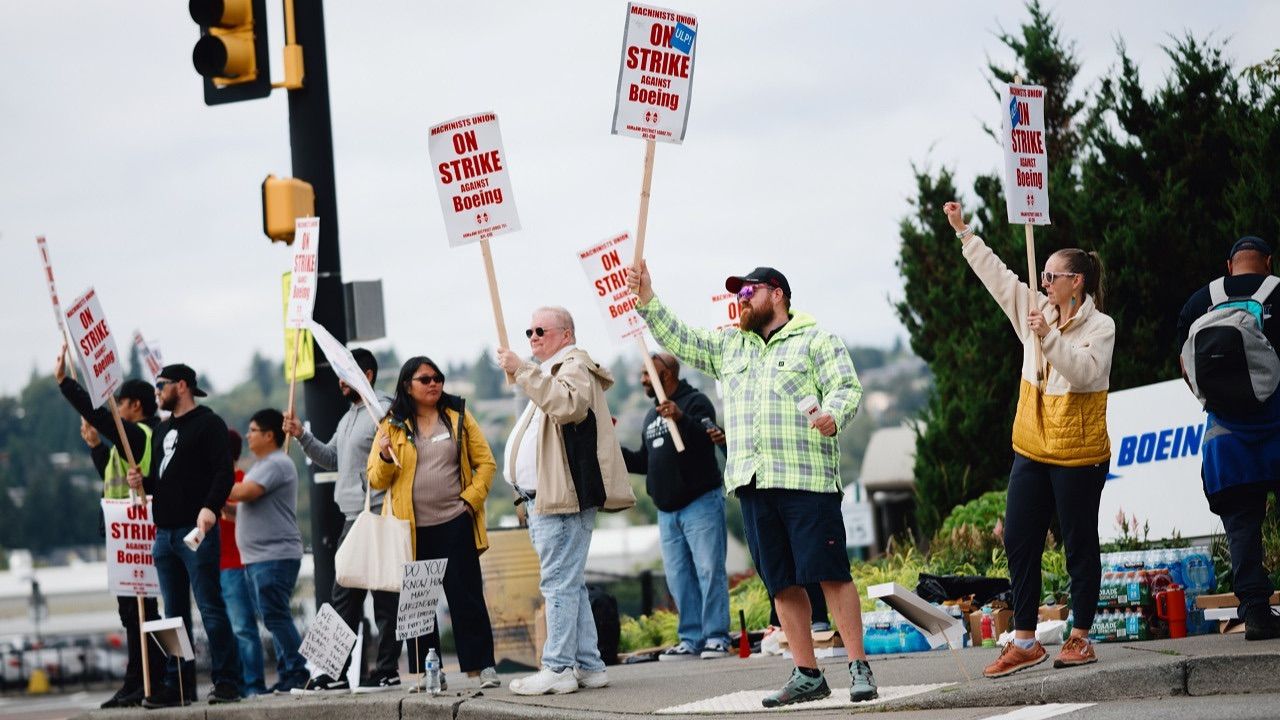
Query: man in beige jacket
[565,464]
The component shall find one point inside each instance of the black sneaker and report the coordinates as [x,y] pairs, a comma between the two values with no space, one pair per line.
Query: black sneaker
[379,683]
[324,683]
[1261,623]
[124,697]
[224,692]
[165,697]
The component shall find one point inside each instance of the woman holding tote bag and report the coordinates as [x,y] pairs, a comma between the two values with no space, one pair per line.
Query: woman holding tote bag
[440,485]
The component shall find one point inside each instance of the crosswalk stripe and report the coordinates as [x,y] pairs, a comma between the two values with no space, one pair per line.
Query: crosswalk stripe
[1040,712]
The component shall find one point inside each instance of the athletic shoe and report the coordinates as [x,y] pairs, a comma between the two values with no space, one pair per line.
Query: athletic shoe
[124,697]
[715,650]
[1013,658]
[224,692]
[864,683]
[590,679]
[799,688]
[379,683]
[164,697]
[1075,651]
[681,651]
[546,681]
[300,682]
[489,678]
[1261,623]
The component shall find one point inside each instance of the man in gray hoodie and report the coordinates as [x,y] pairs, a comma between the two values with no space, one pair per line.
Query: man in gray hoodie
[348,452]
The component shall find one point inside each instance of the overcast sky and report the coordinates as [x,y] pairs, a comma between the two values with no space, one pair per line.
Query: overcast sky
[805,120]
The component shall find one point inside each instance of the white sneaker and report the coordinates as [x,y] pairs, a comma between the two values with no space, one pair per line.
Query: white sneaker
[546,681]
[589,679]
[715,649]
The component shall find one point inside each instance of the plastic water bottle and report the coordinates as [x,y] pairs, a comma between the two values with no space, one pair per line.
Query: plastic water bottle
[433,672]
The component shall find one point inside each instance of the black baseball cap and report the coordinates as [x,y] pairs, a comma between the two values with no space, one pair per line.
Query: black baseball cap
[183,373]
[766,275]
[1250,242]
[139,390]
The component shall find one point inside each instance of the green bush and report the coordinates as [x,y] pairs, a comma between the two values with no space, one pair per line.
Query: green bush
[982,513]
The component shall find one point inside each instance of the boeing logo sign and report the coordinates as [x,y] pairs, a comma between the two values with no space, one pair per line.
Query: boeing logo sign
[1164,444]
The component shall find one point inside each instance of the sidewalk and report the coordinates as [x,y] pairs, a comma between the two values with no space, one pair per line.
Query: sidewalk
[1206,665]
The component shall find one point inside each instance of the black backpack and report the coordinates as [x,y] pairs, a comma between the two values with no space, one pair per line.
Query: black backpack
[604,608]
[1230,364]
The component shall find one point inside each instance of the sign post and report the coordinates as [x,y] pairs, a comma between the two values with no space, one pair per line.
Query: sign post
[470,169]
[607,275]
[1026,179]
[302,293]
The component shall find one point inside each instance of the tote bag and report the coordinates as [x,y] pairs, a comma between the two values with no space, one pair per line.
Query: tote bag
[373,555]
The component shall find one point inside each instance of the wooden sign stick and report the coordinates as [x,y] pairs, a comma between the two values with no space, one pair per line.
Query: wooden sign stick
[71,359]
[492,277]
[124,443]
[146,654]
[642,224]
[293,378]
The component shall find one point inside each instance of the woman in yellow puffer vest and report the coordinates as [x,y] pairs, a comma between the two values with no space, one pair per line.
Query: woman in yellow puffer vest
[1061,451]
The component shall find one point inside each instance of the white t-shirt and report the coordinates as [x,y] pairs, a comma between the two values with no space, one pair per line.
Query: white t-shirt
[524,472]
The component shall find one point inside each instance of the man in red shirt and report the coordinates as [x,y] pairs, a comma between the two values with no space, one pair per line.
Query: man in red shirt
[237,593]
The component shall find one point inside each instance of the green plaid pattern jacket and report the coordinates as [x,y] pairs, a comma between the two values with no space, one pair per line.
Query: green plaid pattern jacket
[768,437]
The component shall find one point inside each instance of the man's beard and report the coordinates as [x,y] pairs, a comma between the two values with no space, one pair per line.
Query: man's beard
[169,403]
[350,394]
[754,320]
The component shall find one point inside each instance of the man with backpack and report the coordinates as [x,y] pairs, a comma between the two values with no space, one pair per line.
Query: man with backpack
[1228,331]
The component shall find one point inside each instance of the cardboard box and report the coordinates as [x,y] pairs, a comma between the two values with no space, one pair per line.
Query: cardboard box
[826,644]
[1001,622]
[1226,600]
[1054,612]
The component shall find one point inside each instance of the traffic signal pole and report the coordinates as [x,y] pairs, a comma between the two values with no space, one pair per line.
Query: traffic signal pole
[311,146]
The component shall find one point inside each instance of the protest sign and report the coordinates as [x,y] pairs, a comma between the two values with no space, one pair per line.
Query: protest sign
[470,167]
[304,368]
[306,260]
[43,247]
[328,642]
[724,308]
[1026,159]
[347,370]
[655,76]
[607,275]
[149,355]
[130,535]
[95,346]
[420,591]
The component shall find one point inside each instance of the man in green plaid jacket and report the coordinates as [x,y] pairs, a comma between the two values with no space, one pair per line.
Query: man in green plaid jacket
[783,456]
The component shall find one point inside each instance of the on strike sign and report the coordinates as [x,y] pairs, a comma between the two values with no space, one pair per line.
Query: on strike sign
[1026,161]
[655,79]
[725,308]
[151,360]
[95,346]
[471,176]
[306,260]
[607,273]
[130,535]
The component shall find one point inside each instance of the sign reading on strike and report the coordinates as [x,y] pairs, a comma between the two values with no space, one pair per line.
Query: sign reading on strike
[725,308]
[95,347]
[420,591]
[152,363]
[655,79]
[306,260]
[328,642]
[130,535]
[1026,160]
[471,176]
[606,272]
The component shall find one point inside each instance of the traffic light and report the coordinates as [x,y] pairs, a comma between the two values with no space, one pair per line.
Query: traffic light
[284,200]
[231,53]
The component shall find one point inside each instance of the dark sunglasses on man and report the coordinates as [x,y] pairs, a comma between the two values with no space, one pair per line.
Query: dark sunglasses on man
[539,331]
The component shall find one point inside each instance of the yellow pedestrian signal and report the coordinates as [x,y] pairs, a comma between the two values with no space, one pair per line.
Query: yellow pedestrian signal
[284,200]
[231,53]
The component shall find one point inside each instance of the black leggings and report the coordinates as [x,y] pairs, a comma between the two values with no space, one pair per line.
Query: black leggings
[464,588]
[1035,490]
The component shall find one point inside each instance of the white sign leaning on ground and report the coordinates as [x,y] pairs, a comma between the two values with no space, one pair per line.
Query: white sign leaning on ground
[1026,159]
[95,346]
[328,642]
[655,78]
[420,592]
[606,271]
[470,168]
[306,261]
[130,535]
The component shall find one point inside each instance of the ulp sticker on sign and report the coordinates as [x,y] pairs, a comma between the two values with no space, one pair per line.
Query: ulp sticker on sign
[655,79]
[470,167]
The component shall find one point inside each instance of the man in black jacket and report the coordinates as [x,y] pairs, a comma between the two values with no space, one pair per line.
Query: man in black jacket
[687,489]
[191,476]
[136,402]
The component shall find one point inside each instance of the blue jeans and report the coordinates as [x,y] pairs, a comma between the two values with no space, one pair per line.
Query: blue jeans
[273,582]
[693,551]
[561,542]
[242,608]
[183,572]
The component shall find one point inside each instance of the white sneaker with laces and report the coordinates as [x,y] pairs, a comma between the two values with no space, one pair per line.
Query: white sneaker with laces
[589,679]
[546,681]
[489,678]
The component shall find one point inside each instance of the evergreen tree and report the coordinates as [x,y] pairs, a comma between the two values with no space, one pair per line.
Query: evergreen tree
[490,382]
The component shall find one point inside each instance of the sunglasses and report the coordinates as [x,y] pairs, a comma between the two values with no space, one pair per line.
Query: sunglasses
[746,291]
[160,384]
[1047,278]
[538,331]
[429,379]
